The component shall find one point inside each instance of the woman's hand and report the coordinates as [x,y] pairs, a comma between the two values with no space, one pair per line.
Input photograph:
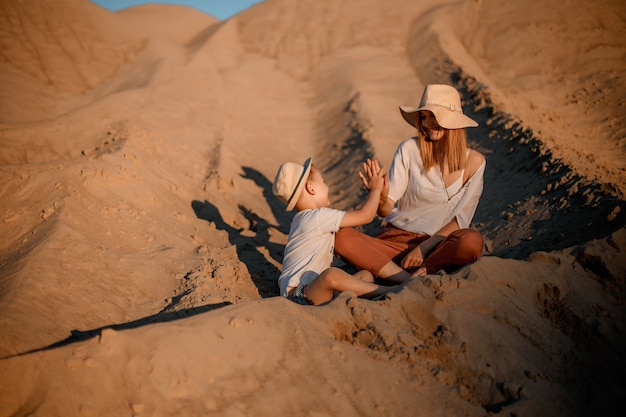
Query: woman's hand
[413,259]
[385,191]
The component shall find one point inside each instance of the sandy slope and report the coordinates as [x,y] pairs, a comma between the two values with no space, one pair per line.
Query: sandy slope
[141,244]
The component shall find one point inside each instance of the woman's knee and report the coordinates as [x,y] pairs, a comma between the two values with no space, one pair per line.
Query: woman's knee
[472,243]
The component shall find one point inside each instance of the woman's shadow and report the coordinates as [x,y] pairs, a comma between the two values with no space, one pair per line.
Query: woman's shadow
[264,274]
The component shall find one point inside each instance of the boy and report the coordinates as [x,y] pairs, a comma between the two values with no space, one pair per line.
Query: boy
[307,276]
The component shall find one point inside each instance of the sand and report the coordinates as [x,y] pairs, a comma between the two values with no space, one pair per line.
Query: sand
[140,242]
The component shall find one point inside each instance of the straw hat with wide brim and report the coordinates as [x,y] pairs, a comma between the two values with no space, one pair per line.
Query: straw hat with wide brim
[289,182]
[445,103]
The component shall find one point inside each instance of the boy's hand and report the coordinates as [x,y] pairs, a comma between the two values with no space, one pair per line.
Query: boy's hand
[373,179]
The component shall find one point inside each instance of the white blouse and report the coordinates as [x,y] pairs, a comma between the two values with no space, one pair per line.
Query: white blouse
[423,203]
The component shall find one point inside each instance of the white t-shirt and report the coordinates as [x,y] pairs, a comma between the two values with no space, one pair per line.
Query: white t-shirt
[423,203]
[310,246]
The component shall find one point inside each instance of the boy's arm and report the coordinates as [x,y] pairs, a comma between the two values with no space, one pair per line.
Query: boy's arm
[375,182]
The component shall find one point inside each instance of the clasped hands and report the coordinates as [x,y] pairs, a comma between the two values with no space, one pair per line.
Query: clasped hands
[371,176]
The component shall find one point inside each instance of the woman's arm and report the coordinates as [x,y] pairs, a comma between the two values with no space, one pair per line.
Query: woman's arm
[466,206]
[385,205]
[430,243]
[474,161]
[416,257]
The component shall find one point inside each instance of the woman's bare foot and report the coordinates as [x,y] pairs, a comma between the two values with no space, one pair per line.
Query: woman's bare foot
[421,272]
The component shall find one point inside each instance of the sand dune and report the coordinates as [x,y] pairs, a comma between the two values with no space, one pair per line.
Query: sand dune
[141,244]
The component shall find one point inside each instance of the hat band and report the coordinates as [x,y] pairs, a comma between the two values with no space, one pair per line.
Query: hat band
[448,106]
[293,194]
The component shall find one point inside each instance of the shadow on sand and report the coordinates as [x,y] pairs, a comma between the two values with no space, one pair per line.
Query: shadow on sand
[160,317]
[255,242]
[532,201]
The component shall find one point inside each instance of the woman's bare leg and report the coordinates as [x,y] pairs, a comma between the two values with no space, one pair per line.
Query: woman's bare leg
[394,273]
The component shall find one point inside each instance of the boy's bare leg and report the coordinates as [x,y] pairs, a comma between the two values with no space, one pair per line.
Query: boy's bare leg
[394,273]
[322,289]
[364,275]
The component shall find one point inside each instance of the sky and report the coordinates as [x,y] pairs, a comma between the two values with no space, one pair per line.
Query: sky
[221,9]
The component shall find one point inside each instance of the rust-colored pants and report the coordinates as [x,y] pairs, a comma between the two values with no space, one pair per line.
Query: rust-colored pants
[459,248]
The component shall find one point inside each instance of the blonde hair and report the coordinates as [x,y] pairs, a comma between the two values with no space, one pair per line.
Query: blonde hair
[451,148]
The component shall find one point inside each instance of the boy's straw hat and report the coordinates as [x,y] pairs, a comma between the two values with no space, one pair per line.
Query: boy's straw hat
[289,182]
[445,103]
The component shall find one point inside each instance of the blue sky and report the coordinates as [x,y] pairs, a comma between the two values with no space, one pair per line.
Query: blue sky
[222,9]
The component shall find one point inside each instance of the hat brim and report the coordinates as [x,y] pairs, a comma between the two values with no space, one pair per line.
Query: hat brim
[300,186]
[445,118]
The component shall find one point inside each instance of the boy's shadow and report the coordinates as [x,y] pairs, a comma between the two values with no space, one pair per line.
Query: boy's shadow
[278,209]
[263,273]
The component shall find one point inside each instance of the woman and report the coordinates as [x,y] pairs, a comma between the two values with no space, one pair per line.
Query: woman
[435,183]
